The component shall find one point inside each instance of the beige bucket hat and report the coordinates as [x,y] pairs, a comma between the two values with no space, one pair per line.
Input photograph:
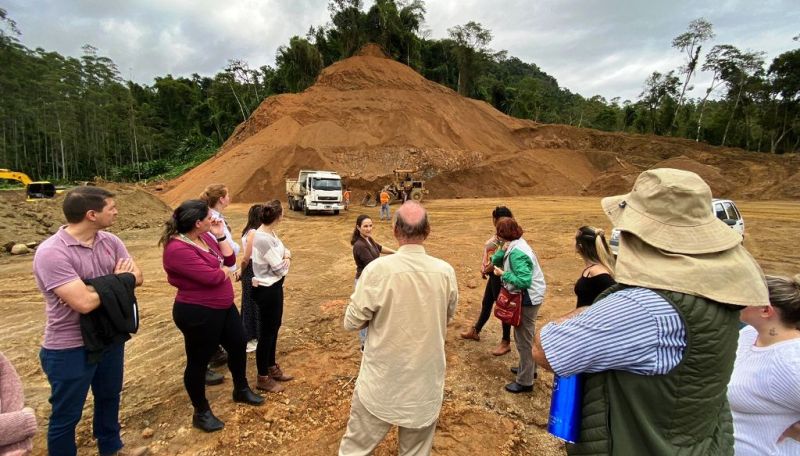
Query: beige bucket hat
[672,241]
[670,209]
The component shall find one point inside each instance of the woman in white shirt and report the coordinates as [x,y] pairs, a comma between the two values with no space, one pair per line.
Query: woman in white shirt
[764,391]
[271,261]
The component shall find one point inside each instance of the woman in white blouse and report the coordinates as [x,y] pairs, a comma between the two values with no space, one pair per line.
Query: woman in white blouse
[764,391]
[271,261]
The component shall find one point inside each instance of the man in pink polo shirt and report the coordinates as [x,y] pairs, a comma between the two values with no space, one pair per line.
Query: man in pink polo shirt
[81,250]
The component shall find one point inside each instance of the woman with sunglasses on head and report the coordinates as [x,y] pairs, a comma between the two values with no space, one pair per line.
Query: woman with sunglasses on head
[197,261]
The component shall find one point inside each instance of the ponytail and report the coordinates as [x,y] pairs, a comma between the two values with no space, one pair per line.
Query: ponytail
[170,229]
[604,254]
[591,245]
[183,219]
[213,193]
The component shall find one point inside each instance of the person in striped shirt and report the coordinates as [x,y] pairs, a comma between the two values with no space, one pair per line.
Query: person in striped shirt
[656,351]
[764,391]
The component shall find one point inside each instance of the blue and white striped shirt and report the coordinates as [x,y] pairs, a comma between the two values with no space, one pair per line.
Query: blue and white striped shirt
[633,330]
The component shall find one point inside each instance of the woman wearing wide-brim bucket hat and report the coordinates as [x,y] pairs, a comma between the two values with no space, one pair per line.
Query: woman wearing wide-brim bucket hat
[671,240]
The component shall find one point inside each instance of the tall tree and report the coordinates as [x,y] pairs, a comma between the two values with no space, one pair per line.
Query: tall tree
[658,89]
[298,64]
[689,42]
[471,41]
[785,84]
[349,25]
[737,68]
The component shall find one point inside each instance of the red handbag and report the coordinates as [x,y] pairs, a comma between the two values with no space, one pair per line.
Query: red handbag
[508,307]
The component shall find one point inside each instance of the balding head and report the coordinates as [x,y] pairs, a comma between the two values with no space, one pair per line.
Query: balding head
[411,223]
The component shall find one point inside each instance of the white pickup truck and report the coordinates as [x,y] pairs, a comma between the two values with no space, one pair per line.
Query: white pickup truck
[315,190]
[724,209]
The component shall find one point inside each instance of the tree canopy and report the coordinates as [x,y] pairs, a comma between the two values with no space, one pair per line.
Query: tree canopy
[73,118]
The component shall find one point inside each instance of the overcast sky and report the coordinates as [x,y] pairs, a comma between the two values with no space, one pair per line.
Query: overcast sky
[591,47]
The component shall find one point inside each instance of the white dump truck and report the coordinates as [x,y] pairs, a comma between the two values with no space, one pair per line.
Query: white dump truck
[315,190]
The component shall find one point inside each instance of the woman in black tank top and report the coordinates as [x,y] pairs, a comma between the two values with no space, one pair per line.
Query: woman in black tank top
[598,272]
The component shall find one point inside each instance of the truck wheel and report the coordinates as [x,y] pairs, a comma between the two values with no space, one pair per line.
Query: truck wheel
[305,209]
[336,212]
[416,195]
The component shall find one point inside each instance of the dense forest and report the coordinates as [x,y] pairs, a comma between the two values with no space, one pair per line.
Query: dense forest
[73,118]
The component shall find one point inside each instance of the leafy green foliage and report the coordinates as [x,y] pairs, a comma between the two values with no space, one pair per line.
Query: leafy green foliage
[72,118]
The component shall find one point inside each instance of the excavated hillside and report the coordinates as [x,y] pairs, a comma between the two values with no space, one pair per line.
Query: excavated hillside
[368,115]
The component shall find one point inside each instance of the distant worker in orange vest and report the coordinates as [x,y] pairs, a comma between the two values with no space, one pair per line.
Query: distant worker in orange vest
[385,206]
[346,198]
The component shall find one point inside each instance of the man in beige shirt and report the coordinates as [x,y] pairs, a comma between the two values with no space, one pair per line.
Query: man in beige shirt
[406,300]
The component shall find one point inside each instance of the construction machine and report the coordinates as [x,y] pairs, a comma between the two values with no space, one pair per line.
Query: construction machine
[405,187]
[33,190]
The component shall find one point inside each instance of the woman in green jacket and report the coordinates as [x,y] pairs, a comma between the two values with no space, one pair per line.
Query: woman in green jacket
[518,268]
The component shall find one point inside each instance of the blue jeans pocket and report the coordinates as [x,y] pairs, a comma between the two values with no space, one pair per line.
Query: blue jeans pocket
[67,364]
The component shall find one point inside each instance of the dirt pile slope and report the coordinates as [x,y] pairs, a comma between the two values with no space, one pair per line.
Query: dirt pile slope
[368,115]
[33,221]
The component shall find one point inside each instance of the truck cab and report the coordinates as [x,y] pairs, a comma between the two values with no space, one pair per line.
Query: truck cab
[315,190]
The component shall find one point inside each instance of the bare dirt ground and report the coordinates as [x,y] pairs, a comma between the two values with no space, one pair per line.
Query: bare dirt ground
[309,418]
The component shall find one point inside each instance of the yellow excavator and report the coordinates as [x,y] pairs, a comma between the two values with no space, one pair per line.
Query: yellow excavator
[33,190]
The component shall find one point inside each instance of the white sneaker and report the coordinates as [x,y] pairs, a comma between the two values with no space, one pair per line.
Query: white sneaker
[252,345]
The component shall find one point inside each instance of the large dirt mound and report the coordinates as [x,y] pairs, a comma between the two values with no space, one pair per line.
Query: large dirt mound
[33,221]
[368,115]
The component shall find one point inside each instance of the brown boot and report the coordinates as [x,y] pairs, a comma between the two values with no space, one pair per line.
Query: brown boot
[471,333]
[276,373]
[266,383]
[502,349]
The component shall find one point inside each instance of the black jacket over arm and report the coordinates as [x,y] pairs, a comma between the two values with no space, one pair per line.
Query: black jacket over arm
[115,319]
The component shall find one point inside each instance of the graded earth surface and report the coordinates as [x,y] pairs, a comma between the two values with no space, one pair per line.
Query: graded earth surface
[309,418]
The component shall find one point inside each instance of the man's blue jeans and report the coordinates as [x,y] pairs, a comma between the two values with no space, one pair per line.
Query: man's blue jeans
[385,212]
[70,376]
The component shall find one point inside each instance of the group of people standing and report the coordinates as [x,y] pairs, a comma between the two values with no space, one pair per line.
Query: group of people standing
[654,335]
[200,261]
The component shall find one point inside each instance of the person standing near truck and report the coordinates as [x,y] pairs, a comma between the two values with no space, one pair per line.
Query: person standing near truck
[346,198]
[384,197]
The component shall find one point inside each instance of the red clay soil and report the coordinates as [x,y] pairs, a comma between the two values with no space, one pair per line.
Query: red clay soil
[368,115]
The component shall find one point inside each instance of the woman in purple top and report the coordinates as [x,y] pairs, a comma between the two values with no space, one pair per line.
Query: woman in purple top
[198,263]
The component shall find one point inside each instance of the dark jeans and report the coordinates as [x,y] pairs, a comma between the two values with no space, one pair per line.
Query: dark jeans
[270,307]
[250,317]
[490,293]
[204,329]
[70,376]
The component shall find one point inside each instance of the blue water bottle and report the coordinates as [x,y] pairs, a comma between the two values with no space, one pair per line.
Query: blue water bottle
[565,408]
